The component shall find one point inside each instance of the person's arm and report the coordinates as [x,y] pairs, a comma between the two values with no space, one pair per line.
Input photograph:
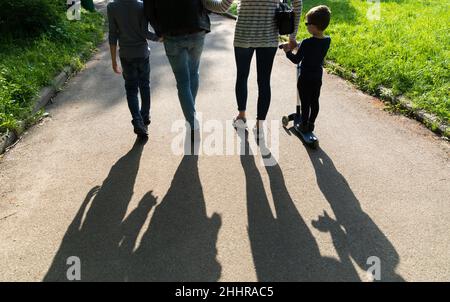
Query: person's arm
[297,7]
[217,6]
[115,66]
[113,38]
[298,57]
[148,34]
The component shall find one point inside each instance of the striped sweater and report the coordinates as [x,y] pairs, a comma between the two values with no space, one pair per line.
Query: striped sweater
[256,25]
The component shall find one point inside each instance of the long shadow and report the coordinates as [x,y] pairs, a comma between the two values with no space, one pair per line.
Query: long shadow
[353,228]
[180,243]
[283,247]
[100,239]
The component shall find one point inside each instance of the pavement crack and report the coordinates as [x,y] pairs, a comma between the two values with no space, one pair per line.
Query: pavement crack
[7,216]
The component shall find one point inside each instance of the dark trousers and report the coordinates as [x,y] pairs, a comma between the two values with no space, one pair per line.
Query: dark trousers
[136,73]
[309,91]
[264,62]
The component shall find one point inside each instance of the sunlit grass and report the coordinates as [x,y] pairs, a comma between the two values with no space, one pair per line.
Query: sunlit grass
[28,65]
[407,50]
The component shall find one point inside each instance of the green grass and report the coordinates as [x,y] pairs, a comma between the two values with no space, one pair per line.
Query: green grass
[27,65]
[407,50]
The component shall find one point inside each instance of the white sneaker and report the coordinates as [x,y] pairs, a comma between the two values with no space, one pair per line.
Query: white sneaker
[240,123]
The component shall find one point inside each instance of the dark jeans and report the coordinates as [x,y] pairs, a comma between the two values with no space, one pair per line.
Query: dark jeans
[136,73]
[309,91]
[264,62]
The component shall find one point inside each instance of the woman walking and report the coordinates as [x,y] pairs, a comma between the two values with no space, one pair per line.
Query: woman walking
[257,32]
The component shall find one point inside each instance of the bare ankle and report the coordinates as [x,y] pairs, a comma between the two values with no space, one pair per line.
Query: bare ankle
[241,114]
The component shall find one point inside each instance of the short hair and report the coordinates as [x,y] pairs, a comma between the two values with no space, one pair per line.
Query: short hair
[319,16]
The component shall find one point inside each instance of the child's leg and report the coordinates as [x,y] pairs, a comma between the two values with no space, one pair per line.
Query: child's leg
[131,77]
[305,96]
[315,95]
[144,88]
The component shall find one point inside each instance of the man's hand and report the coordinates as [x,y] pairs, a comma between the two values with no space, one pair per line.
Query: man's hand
[116,68]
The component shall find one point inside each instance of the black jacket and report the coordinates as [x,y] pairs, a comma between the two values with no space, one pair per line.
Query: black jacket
[177,16]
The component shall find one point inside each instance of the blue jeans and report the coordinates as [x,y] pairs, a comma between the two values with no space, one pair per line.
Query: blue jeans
[264,63]
[184,54]
[136,73]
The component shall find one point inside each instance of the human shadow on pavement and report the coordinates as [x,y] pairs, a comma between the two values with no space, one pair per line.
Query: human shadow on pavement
[97,235]
[283,247]
[180,242]
[354,232]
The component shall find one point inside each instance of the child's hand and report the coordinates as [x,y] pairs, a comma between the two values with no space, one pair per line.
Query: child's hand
[292,44]
[116,68]
[286,47]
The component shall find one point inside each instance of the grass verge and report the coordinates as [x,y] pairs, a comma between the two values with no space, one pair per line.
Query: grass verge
[27,65]
[405,50]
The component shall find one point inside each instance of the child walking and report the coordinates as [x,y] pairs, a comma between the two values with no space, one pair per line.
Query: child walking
[129,27]
[310,55]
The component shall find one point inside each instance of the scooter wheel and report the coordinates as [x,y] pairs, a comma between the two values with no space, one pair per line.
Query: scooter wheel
[285,121]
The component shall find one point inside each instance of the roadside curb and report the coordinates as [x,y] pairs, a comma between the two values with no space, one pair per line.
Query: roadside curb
[45,96]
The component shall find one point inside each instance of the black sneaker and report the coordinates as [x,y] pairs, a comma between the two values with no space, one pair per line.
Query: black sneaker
[140,128]
[311,127]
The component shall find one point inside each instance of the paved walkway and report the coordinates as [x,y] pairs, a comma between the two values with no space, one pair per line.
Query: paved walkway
[77,184]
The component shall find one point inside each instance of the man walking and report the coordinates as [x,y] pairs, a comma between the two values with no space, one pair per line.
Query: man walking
[183,25]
